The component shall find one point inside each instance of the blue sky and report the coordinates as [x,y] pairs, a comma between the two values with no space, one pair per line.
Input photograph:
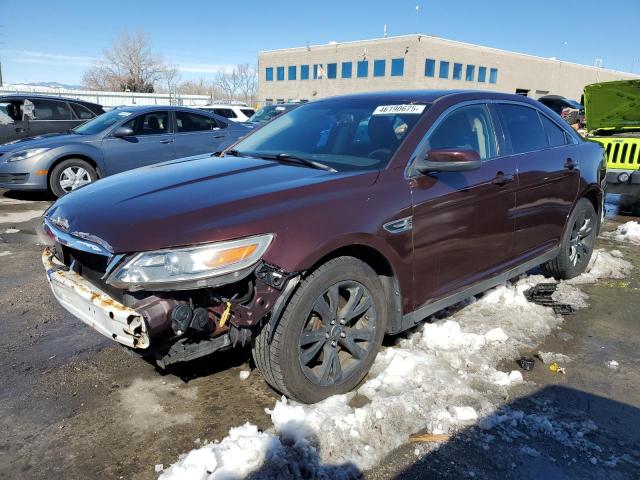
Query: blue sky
[57,41]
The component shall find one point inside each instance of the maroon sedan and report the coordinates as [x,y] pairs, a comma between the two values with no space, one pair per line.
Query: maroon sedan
[341,221]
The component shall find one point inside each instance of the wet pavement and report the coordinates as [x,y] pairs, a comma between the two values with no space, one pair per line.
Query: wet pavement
[74,405]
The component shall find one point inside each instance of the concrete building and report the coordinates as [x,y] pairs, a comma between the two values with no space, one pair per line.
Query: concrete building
[417,62]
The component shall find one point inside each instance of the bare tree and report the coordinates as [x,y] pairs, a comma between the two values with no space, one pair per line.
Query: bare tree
[248,82]
[130,65]
[228,84]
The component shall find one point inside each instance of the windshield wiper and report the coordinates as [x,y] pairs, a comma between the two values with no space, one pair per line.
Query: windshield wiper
[286,157]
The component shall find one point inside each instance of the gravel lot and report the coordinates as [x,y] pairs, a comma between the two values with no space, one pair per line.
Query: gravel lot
[74,405]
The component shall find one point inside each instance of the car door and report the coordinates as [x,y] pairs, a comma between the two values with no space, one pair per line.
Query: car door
[12,124]
[548,176]
[151,142]
[50,116]
[197,134]
[462,221]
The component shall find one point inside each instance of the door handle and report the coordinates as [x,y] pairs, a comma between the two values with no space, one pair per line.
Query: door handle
[502,179]
[219,136]
[20,130]
[166,140]
[570,164]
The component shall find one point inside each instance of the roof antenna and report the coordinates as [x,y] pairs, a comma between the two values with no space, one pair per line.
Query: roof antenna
[385,30]
[308,47]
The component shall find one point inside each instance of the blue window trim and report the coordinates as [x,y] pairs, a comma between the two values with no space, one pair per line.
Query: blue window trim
[332,70]
[444,69]
[493,75]
[429,67]
[346,69]
[268,74]
[377,64]
[304,72]
[397,67]
[292,72]
[280,73]
[363,69]
[470,74]
[482,74]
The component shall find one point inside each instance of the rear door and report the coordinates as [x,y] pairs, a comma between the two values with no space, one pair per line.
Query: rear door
[548,174]
[462,221]
[196,134]
[50,116]
[151,142]
[13,126]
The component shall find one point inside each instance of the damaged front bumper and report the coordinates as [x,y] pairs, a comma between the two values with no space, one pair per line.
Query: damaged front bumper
[93,306]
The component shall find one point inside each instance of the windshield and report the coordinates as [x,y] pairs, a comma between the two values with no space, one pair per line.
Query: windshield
[353,134]
[574,104]
[101,122]
[267,113]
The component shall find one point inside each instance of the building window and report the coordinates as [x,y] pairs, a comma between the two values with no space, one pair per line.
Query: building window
[471,73]
[318,71]
[363,69]
[332,70]
[304,72]
[292,72]
[493,75]
[280,73]
[444,69]
[482,74]
[280,100]
[397,67]
[379,67]
[346,69]
[269,101]
[268,74]
[457,71]
[429,67]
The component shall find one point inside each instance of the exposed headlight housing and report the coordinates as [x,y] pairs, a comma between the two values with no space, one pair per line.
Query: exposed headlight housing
[24,154]
[191,267]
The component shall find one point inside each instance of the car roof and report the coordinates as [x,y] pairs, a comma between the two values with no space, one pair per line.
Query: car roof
[23,96]
[219,105]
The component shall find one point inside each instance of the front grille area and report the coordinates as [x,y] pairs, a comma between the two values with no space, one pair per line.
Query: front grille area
[621,153]
[14,178]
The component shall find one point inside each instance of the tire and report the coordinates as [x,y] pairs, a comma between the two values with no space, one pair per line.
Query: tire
[62,180]
[577,244]
[311,358]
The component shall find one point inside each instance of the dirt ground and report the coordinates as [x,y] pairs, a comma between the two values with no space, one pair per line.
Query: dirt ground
[75,405]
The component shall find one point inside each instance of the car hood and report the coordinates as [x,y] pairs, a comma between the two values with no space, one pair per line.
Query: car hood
[50,140]
[612,105]
[191,201]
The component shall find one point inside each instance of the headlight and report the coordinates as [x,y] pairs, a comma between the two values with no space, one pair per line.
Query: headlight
[191,264]
[24,154]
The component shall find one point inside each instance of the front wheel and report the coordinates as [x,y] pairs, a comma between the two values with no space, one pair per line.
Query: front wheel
[329,333]
[71,174]
[577,243]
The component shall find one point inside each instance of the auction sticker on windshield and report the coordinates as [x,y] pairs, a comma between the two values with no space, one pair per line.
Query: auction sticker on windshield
[394,109]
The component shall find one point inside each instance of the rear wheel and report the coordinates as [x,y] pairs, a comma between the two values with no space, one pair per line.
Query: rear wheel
[577,243]
[329,333]
[71,174]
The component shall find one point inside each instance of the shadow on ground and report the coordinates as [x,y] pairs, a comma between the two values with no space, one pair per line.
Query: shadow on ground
[555,433]
[29,196]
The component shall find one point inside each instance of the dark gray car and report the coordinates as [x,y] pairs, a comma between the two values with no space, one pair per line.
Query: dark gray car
[119,140]
[23,116]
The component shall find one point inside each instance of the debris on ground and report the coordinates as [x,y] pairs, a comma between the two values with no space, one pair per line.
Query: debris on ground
[555,368]
[244,374]
[627,232]
[542,294]
[613,364]
[429,437]
[526,363]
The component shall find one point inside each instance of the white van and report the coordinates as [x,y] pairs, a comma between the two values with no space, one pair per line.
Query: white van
[235,113]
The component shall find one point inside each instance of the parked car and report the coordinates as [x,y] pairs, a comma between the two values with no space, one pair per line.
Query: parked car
[310,245]
[613,120]
[235,113]
[119,140]
[31,115]
[269,112]
[570,110]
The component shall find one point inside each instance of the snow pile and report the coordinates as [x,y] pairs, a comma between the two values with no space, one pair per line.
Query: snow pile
[627,232]
[439,379]
[551,357]
[603,264]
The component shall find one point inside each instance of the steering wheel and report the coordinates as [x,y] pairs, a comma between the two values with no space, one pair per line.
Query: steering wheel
[380,154]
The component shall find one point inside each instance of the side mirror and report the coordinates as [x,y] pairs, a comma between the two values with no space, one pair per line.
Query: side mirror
[121,132]
[449,160]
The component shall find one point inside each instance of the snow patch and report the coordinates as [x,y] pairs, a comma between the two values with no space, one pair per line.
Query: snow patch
[11,230]
[603,264]
[613,364]
[244,374]
[627,232]
[551,357]
[5,253]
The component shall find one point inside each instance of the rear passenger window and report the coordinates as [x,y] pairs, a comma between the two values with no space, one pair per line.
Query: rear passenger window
[555,134]
[467,128]
[154,123]
[83,113]
[51,110]
[523,127]
[189,122]
[225,112]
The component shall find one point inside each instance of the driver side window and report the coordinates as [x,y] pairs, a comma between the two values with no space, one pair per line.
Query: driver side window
[467,128]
